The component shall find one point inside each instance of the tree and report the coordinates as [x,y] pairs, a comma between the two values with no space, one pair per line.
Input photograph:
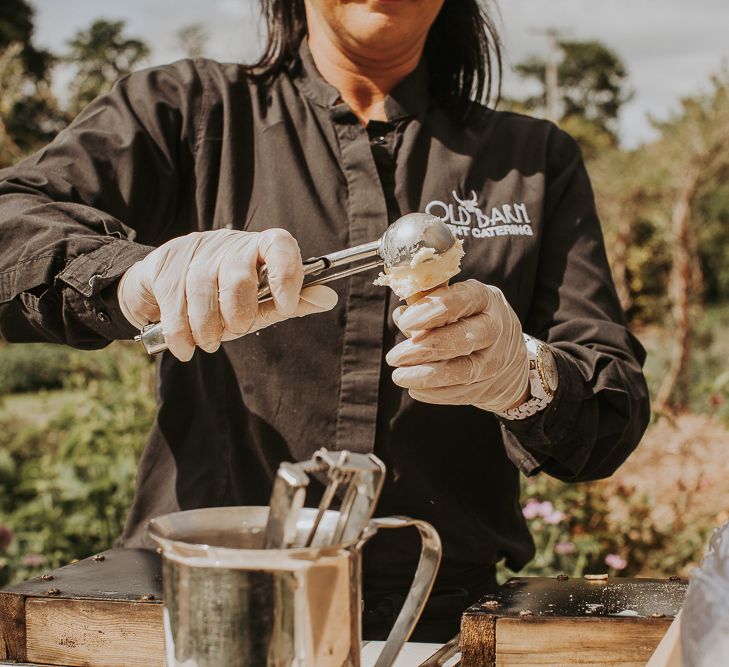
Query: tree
[101,54]
[620,198]
[591,81]
[694,154]
[12,77]
[16,27]
[29,113]
[193,40]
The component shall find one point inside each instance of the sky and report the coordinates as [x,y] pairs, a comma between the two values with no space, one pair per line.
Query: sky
[670,47]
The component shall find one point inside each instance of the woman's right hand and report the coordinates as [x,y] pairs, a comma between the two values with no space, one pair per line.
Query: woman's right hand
[203,287]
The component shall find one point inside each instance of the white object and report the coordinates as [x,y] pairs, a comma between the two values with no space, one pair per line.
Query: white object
[705,612]
[412,654]
[668,652]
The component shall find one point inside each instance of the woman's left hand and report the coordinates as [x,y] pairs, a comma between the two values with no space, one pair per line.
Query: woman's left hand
[464,347]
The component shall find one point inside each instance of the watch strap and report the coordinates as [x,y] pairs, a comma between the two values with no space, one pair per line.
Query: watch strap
[526,409]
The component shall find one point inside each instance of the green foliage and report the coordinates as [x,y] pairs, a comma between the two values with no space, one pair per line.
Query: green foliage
[33,367]
[592,82]
[29,114]
[16,22]
[44,366]
[639,196]
[592,78]
[16,27]
[101,55]
[68,483]
[708,379]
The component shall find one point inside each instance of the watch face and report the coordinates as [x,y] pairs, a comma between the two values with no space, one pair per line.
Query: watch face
[548,368]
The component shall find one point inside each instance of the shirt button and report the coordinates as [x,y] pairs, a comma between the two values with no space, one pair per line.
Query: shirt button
[103,318]
[378,141]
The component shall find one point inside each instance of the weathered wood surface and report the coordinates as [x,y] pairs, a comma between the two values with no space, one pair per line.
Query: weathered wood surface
[116,574]
[478,640]
[12,627]
[544,621]
[94,632]
[558,642]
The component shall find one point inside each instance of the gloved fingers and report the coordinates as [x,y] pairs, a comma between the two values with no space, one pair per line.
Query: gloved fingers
[168,285]
[201,295]
[279,251]
[176,327]
[478,367]
[312,300]
[148,307]
[458,339]
[396,315]
[446,305]
[136,301]
[508,389]
[316,299]
[238,288]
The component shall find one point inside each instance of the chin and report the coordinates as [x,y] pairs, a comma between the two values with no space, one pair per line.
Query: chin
[386,20]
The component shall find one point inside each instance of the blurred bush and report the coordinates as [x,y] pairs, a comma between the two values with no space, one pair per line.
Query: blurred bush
[708,374]
[68,482]
[44,366]
[605,528]
[26,368]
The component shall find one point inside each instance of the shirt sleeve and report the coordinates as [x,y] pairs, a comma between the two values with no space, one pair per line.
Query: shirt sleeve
[601,407]
[77,214]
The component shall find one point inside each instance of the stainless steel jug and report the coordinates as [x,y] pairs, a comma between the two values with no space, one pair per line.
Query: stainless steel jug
[230,602]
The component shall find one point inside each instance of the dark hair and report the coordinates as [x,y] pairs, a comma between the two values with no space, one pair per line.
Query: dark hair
[463,51]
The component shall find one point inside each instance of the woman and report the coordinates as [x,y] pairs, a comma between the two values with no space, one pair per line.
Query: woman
[164,196]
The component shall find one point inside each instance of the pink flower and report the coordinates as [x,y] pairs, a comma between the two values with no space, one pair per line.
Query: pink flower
[33,560]
[532,509]
[554,517]
[6,537]
[616,561]
[565,548]
[545,508]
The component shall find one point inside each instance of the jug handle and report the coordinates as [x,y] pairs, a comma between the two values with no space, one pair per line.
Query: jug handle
[430,551]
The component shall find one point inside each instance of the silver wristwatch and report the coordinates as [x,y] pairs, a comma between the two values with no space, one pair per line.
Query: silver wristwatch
[543,380]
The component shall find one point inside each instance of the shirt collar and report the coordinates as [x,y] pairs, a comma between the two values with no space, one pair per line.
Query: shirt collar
[408,98]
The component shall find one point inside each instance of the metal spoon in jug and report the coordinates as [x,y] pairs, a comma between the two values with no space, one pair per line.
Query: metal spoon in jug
[396,247]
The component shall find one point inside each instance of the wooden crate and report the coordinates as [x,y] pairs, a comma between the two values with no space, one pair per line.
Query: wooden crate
[550,622]
[104,611]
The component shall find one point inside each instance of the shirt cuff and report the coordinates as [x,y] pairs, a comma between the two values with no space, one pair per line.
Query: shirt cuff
[547,435]
[93,279]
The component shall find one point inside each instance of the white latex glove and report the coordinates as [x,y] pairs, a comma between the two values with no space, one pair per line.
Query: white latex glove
[203,287]
[464,347]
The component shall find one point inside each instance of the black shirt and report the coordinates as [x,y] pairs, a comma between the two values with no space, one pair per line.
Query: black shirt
[196,146]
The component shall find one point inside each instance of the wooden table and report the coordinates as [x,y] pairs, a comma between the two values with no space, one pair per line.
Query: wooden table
[106,611]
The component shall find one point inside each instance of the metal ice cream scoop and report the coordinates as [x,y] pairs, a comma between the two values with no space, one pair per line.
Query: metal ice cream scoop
[396,247]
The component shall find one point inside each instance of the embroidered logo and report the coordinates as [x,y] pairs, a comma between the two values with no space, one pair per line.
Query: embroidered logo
[465,217]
